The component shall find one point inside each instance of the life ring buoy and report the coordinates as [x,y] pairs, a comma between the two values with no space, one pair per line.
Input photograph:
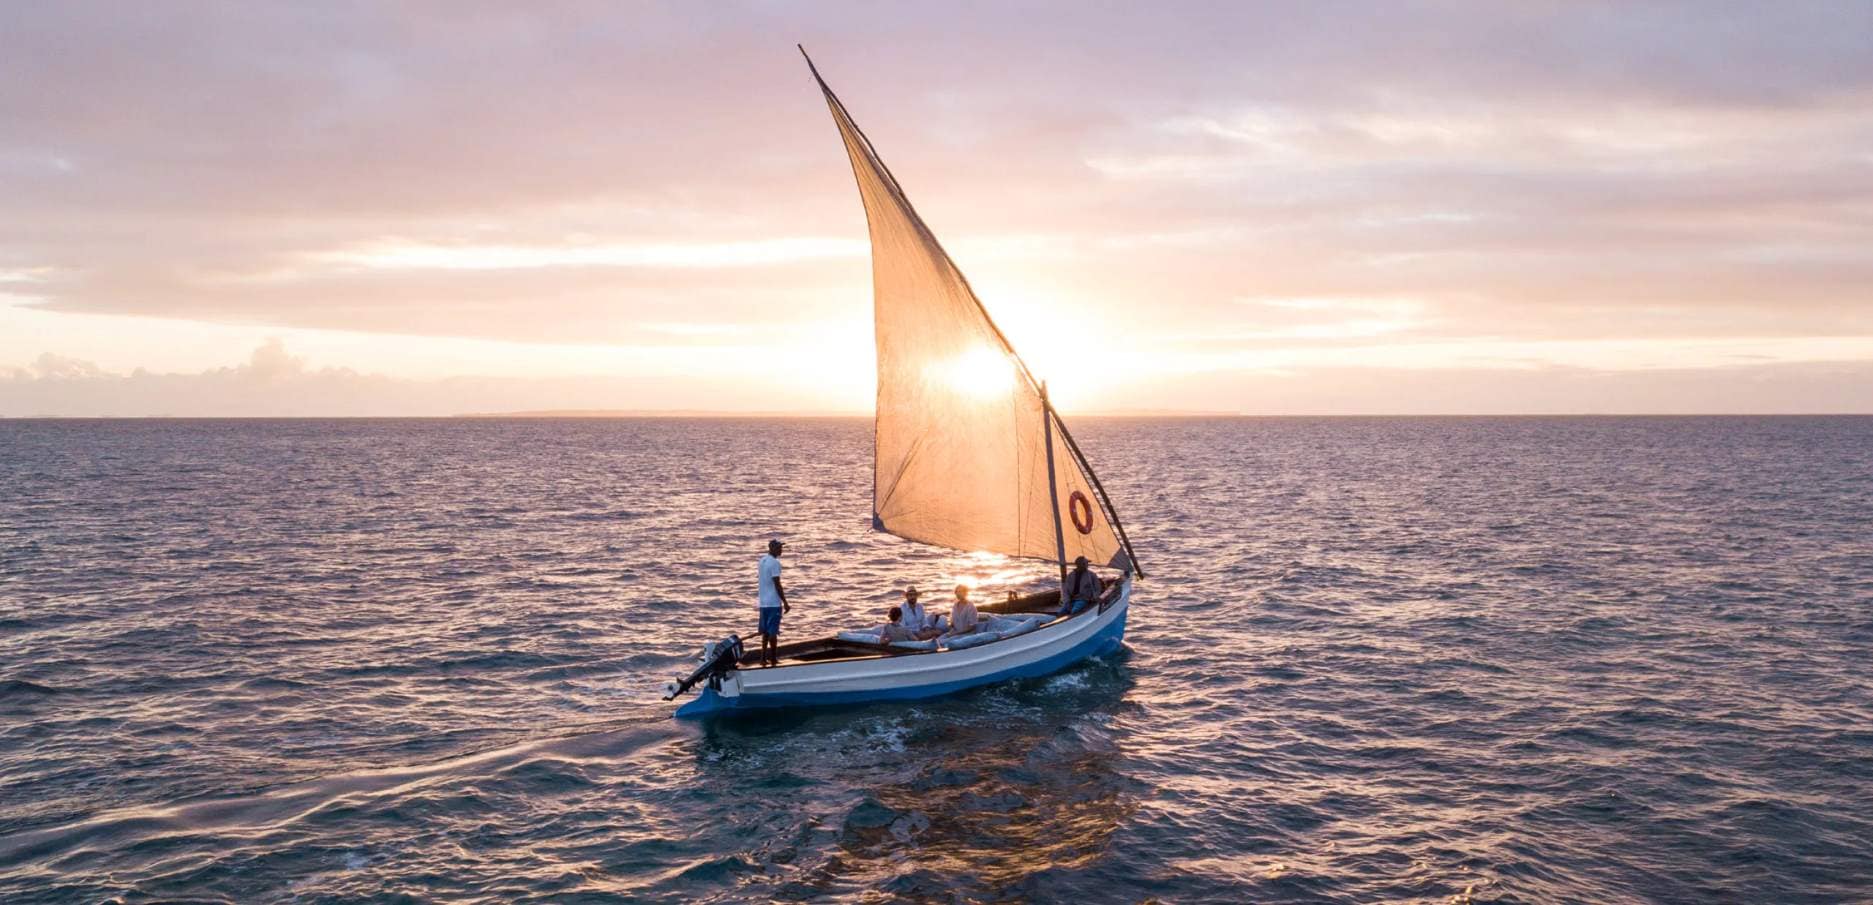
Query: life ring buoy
[1076,504]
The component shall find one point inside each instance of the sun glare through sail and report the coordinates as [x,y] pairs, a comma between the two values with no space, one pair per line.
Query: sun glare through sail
[980,373]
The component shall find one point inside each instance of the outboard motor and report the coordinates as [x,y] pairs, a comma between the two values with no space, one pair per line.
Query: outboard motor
[717,658]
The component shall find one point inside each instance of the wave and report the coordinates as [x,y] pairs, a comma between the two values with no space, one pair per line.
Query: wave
[22,688]
[316,799]
[492,661]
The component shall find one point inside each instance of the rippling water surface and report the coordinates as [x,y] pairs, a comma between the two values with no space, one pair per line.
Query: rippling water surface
[1434,660]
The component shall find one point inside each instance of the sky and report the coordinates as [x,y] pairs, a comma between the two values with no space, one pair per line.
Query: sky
[1269,208]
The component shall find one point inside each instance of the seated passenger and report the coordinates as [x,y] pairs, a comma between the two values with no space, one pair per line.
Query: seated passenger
[1082,589]
[963,617]
[895,630]
[918,620]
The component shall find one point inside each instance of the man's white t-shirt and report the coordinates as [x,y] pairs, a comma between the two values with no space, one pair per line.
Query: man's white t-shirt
[770,570]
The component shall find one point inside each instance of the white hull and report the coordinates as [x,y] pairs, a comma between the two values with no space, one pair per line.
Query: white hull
[921,675]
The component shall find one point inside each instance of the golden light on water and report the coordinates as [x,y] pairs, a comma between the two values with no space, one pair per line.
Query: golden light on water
[985,573]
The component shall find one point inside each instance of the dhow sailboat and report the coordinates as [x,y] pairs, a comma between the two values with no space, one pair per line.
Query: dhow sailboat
[967,454]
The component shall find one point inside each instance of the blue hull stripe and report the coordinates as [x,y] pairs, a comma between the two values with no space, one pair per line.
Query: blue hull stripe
[1105,641]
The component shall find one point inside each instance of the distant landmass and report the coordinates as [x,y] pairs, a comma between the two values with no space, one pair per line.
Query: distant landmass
[654,413]
[717,413]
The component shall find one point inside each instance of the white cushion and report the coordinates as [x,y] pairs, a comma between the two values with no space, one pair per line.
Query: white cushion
[1020,628]
[1012,623]
[960,642]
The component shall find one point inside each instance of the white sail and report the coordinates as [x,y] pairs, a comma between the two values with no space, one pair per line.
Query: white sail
[961,442]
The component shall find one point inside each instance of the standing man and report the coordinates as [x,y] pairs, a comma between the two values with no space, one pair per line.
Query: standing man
[773,602]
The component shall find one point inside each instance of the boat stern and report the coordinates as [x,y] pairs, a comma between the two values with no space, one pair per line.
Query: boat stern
[708,702]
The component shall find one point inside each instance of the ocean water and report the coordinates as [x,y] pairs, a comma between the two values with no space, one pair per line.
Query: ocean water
[1377,660]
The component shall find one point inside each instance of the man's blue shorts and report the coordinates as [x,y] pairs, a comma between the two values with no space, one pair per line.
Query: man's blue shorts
[770,620]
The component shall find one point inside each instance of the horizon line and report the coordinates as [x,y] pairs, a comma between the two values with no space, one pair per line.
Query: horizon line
[679,414]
